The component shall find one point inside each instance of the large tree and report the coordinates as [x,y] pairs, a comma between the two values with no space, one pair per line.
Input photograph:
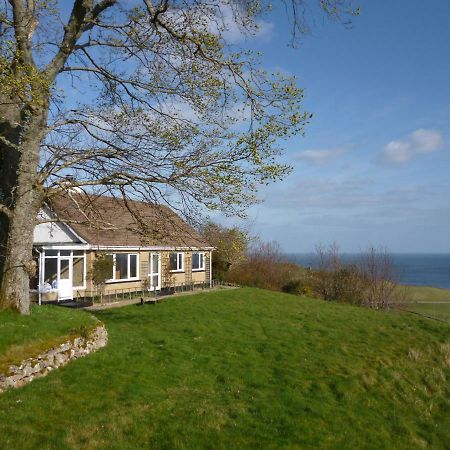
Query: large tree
[140,99]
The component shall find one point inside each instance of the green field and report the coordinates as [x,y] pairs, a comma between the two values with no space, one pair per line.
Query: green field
[23,337]
[242,369]
[429,301]
[440,311]
[426,294]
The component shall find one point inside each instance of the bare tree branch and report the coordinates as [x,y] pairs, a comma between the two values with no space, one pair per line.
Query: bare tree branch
[83,10]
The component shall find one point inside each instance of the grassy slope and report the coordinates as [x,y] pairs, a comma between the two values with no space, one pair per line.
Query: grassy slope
[26,336]
[244,369]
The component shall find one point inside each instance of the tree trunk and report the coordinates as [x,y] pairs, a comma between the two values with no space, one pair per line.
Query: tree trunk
[20,192]
[18,264]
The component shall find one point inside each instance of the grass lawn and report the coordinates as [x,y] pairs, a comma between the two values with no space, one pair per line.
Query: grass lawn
[22,337]
[241,369]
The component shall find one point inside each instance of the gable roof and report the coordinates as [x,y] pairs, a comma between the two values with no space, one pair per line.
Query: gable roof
[106,221]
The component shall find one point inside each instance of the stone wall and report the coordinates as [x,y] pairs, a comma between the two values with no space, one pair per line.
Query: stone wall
[44,363]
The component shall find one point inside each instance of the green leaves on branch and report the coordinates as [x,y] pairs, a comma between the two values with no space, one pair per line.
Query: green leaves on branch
[22,83]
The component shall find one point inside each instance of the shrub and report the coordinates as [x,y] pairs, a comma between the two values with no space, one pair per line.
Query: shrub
[370,282]
[298,287]
[102,269]
[230,244]
[264,267]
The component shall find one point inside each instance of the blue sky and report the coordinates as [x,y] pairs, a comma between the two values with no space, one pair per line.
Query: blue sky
[374,165]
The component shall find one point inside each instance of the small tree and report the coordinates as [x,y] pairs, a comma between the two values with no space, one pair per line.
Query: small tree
[230,246]
[380,280]
[168,277]
[326,278]
[102,269]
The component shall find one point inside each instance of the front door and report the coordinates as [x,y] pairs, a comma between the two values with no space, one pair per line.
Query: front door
[64,286]
[155,271]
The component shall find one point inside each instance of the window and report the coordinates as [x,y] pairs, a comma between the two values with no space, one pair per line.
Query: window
[176,262]
[133,266]
[125,266]
[121,269]
[78,270]
[50,272]
[155,271]
[198,261]
[63,265]
[64,269]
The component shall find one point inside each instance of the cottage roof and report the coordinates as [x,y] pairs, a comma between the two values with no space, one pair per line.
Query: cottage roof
[107,221]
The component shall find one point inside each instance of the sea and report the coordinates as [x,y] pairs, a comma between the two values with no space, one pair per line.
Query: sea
[413,269]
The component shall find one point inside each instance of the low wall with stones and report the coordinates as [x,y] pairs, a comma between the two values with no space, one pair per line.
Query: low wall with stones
[44,363]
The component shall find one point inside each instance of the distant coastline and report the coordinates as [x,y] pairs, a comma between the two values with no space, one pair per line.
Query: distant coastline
[416,269]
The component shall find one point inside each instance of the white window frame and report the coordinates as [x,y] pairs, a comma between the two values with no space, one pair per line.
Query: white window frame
[180,257]
[122,280]
[154,271]
[202,267]
[58,257]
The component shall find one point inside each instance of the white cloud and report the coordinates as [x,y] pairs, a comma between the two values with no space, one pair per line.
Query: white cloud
[233,34]
[418,142]
[318,157]
[228,20]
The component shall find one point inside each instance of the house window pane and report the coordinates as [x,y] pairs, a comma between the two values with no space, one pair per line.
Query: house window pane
[51,253]
[78,253]
[50,272]
[64,252]
[121,266]
[133,266]
[197,261]
[154,280]
[173,261]
[180,261]
[64,273]
[155,262]
[78,272]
